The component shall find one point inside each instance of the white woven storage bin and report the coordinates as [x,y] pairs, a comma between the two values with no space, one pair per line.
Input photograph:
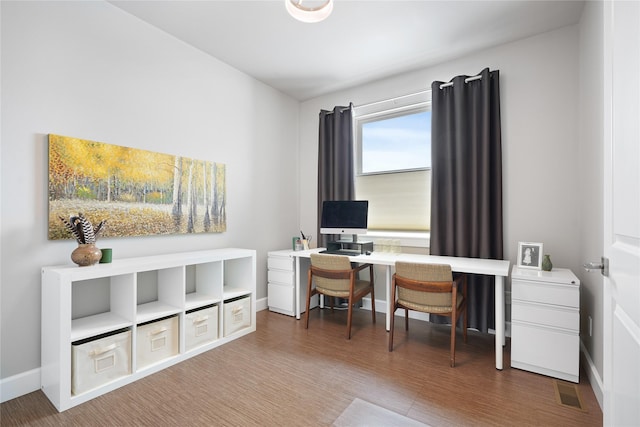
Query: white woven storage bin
[156,341]
[97,362]
[237,315]
[201,327]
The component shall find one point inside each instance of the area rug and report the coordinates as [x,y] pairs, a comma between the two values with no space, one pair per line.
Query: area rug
[361,413]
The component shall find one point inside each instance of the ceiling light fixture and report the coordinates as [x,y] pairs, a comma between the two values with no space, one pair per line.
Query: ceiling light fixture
[309,14]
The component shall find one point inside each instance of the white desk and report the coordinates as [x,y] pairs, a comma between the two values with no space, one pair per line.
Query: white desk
[497,268]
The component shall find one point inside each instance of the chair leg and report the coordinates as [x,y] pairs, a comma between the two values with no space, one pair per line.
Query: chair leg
[406,319]
[306,314]
[373,305]
[306,317]
[465,314]
[393,315]
[349,315]
[465,320]
[392,305]
[453,343]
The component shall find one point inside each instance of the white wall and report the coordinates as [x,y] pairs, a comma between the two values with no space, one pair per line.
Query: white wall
[90,70]
[590,161]
[539,112]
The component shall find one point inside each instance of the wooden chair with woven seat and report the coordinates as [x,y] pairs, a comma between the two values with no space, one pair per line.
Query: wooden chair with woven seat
[334,276]
[429,288]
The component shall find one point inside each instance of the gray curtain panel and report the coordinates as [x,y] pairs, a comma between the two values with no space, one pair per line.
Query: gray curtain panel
[466,189]
[335,160]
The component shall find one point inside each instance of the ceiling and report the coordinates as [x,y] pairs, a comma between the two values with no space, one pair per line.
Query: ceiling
[361,41]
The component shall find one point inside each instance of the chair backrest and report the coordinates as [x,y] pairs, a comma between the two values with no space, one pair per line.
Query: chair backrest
[426,273]
[332,263]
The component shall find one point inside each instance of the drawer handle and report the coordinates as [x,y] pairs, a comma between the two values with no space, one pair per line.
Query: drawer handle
[99,351]
[236,310]
[200,319]
[159,331]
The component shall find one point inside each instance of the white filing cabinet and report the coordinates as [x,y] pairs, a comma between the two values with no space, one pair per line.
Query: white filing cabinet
[281,286]
[545,322]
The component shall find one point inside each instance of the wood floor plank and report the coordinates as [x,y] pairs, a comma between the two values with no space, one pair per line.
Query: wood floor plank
[286,375]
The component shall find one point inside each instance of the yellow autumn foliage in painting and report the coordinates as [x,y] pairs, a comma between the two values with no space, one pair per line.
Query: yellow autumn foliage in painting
[138,192]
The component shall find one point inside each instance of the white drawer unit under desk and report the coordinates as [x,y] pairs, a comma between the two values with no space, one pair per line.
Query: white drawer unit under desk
[545,322]
[281,286]
[281,282]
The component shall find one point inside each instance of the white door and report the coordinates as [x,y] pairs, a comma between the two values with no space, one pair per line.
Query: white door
[621,364]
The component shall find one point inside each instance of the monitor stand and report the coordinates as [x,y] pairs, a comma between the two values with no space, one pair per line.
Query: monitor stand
[350,246]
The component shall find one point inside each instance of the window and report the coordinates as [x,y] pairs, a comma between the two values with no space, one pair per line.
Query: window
[398,143]
[393,162]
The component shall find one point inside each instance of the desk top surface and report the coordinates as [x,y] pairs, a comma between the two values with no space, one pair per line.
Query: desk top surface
[492,267]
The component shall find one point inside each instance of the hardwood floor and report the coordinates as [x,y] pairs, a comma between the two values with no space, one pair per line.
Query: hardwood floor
[284,375]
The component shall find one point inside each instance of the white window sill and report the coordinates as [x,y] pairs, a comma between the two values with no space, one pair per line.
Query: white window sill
[407,238]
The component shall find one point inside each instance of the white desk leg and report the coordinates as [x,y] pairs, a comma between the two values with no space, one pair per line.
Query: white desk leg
[387,274]
[297,291]
[500,338]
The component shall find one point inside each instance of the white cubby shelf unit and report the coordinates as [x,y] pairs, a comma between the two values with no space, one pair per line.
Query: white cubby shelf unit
[82,303]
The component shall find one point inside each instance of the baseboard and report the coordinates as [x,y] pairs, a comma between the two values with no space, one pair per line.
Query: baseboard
[592,375]
[381,307]
[18,385]
[261,304]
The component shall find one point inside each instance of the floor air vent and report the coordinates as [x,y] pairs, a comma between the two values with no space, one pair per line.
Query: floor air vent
[568,395]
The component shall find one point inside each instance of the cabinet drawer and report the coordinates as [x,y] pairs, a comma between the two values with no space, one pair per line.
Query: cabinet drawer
[280,298]
[280,263]
[284,277]
[546,293]
[554,316]
[553,352]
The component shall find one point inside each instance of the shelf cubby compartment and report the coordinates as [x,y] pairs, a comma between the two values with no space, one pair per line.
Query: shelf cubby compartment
[159,293]
[101,305]
[239,275]
[203,284]
[238,296]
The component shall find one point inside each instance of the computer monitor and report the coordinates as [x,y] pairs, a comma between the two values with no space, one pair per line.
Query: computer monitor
[344,217]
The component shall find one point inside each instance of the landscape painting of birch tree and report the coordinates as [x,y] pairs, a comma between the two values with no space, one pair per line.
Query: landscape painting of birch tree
[137,192]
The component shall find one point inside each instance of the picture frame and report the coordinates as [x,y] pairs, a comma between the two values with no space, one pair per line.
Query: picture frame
[530,255]
[136,192]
